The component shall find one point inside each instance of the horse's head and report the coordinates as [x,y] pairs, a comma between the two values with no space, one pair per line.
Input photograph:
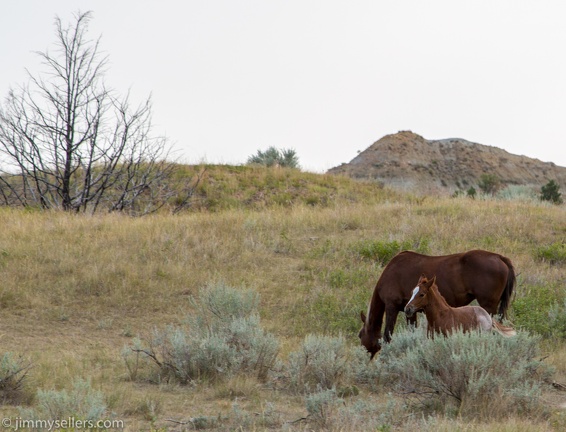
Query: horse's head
[371,342]
[420,297]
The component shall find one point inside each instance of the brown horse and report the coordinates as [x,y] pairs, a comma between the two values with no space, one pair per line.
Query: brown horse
[442,318]
[463,277]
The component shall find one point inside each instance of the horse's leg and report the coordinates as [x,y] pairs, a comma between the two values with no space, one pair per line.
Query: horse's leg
[391,313]
[430,331]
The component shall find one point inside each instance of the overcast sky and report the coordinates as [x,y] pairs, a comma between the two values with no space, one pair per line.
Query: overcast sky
[325,78]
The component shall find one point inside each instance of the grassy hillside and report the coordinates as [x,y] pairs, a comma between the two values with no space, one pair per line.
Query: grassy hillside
[76,289]
[226,187]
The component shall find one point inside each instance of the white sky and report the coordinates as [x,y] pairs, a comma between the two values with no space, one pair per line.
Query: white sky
[325,78]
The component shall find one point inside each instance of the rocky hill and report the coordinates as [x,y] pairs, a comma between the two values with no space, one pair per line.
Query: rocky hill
[409,161]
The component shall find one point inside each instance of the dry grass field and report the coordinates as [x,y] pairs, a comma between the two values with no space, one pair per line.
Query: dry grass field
[76,290]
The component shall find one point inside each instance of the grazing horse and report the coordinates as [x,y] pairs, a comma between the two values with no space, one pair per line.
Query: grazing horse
[462,277]
[442,318]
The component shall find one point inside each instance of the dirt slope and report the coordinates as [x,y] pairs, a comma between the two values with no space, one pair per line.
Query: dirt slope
[409,161]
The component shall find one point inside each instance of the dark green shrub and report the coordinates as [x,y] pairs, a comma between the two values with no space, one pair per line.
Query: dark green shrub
[473,375]
[542,310]
[557,318]
[471,192]
[551,192]
[554,253]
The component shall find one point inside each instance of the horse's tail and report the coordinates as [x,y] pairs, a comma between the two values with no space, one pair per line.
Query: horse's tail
[507,293]
[503,330]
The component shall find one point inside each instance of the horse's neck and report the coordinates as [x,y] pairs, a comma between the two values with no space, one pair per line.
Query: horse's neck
[375,314]
[436,304]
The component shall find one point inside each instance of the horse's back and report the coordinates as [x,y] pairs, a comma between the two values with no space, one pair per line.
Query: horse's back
[483,264]
[400,276]
[461,277]
[403,271]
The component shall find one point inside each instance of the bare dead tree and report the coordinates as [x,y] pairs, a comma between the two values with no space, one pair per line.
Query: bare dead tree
[67,142]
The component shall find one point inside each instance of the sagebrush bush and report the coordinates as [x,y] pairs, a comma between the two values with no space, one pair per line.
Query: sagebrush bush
[364,372]
[13,375]
[327,410]
[268,419]
[322,363]
[320,406]
[218,304]
[370,414]
[82,402]
[221,338]
[475,374]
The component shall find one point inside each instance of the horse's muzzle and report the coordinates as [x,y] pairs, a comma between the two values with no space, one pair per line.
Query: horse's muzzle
[409,311]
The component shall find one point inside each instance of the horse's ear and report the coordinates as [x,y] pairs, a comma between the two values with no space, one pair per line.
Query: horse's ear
[363,316]
[432,281]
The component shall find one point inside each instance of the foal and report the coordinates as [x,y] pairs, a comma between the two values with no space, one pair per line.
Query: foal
[442,318]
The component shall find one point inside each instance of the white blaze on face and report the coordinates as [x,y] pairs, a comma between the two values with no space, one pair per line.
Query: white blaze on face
[415,292]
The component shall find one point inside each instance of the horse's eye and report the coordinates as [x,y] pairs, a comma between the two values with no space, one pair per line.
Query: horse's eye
[422,294]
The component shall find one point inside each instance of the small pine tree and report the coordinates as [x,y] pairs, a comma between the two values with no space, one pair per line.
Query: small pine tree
[273,157]
[471,192]
[551,192]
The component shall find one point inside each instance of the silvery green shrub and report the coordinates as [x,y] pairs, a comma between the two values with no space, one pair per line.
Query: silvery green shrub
[320,405]
[466,371]
[222,337]
[217,305]
[13,374]
[82,402]
[321,362]
[363,370]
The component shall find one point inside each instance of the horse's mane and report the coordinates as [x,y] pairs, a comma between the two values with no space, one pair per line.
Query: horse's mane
[439,296]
